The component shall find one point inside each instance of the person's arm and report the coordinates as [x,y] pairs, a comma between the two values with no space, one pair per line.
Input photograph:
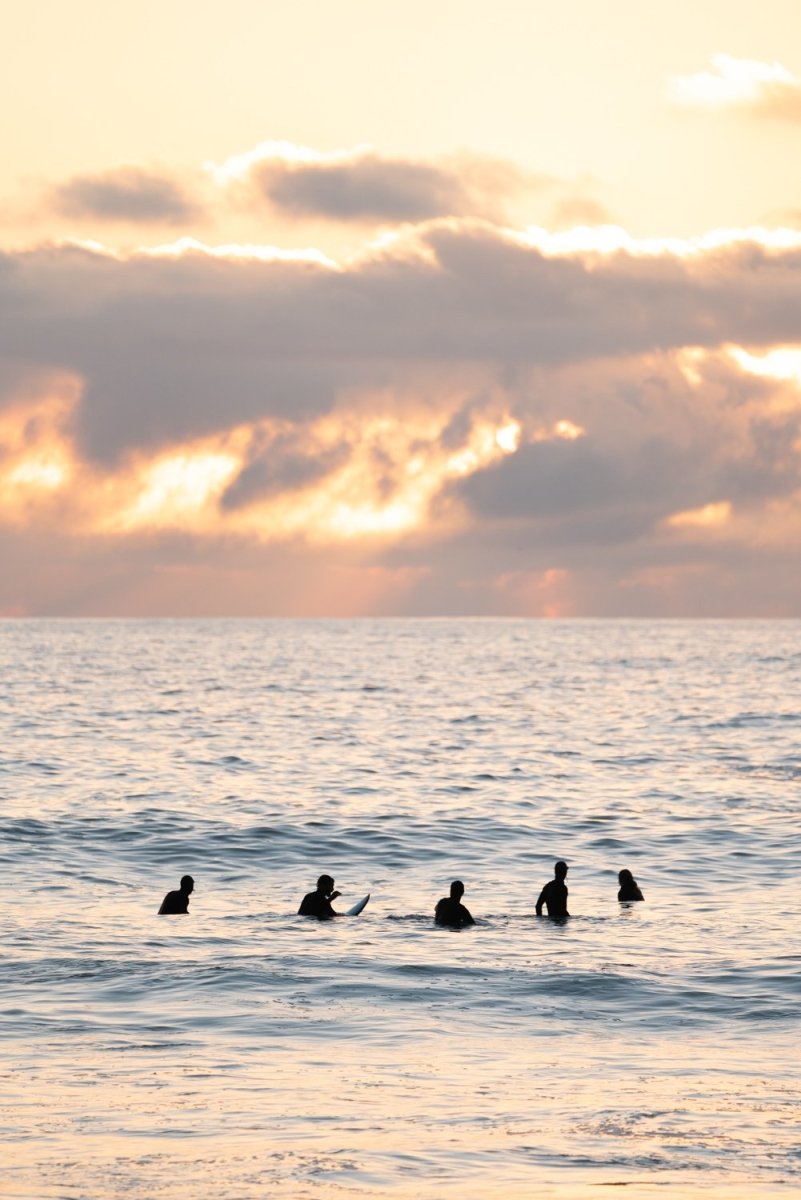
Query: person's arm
[541,900]
[467,918]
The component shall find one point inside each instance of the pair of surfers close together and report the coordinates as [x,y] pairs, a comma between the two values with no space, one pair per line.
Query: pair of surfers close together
[315,904]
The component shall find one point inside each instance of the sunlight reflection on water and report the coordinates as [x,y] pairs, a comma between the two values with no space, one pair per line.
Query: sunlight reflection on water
[243,1052]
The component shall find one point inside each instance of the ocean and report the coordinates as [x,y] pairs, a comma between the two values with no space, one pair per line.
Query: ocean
[242,1051]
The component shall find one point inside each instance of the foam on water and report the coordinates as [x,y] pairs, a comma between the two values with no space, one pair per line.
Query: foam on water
[242,1051]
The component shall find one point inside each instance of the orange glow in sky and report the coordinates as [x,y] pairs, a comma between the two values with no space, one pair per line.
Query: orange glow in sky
[506,352]
[183,489]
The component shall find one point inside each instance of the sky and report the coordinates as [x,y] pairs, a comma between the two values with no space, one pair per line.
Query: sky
[356,309]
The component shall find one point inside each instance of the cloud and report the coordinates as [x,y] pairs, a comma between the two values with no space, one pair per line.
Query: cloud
[747,85]
[285,464]
[462,418]
[127,194]
[659,448]
[361,185]
[184,345]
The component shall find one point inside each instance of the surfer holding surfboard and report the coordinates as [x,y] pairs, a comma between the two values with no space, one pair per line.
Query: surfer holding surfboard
[318,903]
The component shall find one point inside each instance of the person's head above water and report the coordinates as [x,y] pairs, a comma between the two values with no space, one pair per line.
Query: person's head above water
[457,889]
[187,884]
[625,877]
[325,884]
[560,869]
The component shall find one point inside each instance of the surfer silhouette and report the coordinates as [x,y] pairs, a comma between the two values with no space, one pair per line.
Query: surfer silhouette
[318,904]
[178,900]
[629,888]
[554,894]
[450,911]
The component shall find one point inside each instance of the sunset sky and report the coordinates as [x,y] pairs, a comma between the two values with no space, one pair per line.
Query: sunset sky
[332,309]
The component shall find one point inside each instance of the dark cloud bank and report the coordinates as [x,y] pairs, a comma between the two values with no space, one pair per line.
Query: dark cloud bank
[174,348]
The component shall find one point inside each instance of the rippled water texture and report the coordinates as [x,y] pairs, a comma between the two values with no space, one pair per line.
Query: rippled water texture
[244,1052]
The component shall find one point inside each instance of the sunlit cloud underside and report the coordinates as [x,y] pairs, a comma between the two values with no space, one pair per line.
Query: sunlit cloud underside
[505,420]
[393,471]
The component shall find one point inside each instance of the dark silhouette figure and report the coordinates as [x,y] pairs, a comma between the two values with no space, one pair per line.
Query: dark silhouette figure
[629,889]
[178,901]
[318,904]
[450,911]
[554,894]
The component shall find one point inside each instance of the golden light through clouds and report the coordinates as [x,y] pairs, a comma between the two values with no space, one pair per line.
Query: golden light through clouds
[708,516]
[35,459]
[782,362]
[535,350]
[182,489]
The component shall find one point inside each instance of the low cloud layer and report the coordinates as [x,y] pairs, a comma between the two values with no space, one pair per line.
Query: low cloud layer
[176,346]
[460,419]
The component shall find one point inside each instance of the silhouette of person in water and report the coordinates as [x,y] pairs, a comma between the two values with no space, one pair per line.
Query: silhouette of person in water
[318,904]
[178,901]
[629,888]
[450,911]
[554,894]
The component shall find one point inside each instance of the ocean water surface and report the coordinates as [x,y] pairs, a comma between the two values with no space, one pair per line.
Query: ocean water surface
[242,1051]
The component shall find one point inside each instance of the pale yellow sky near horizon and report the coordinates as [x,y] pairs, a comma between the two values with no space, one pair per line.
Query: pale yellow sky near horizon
[578,90]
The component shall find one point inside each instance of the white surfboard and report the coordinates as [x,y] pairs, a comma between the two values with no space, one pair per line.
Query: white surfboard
[357,908]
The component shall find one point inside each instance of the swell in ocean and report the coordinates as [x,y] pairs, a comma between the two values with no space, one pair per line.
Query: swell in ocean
[243,1051]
